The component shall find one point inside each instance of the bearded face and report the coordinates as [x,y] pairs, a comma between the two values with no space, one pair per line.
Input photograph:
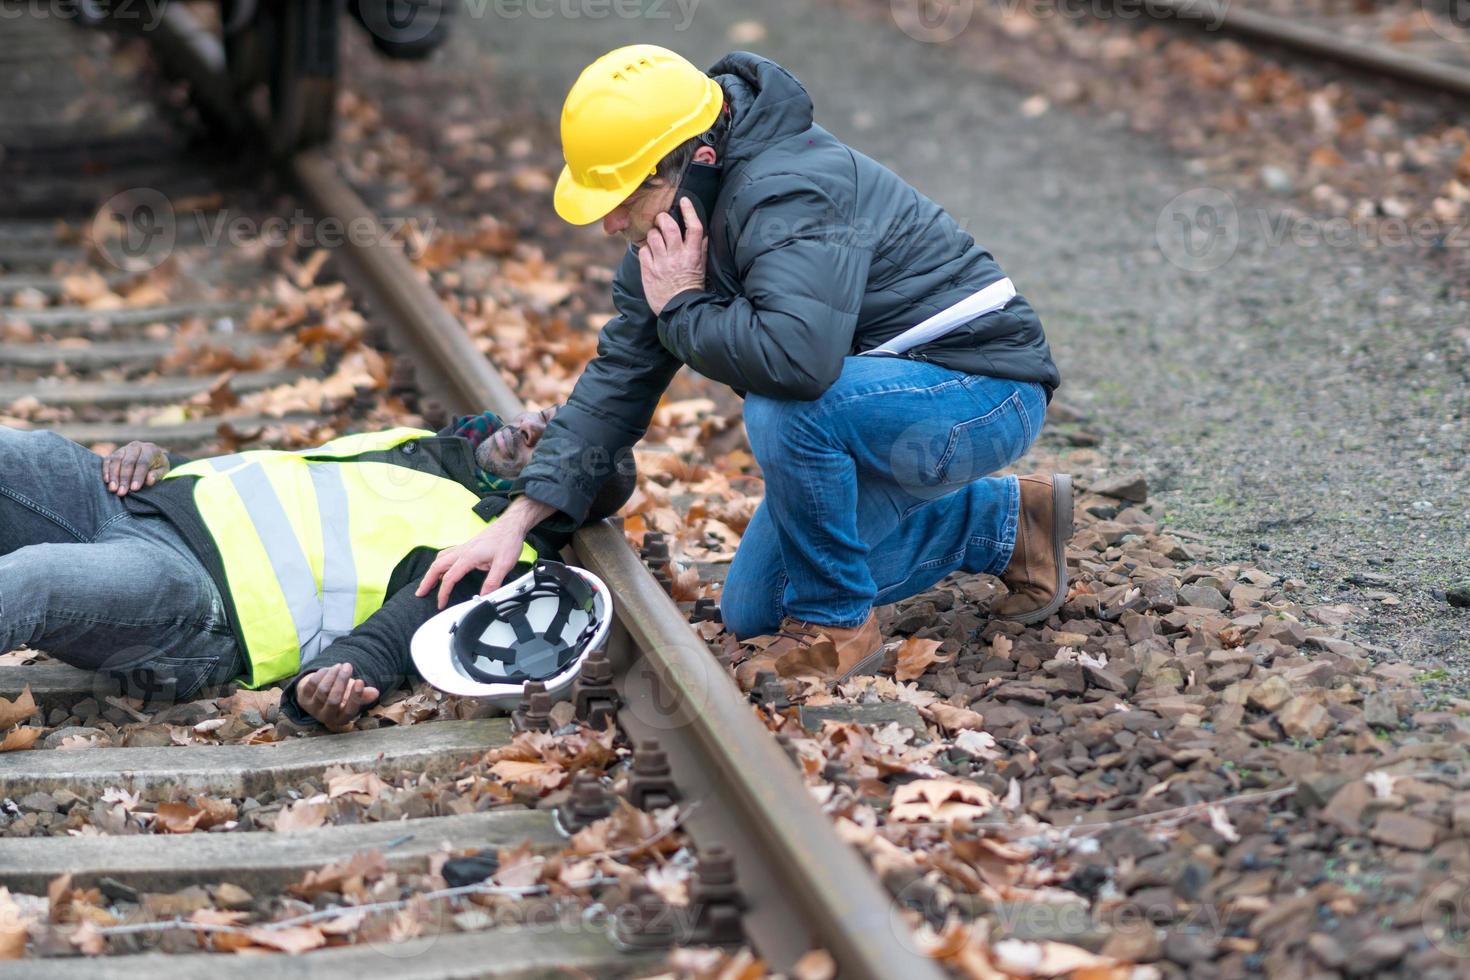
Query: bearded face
[507,450]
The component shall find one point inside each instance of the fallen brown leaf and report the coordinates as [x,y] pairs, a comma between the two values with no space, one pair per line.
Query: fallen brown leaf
[364,865]
[302,815]
[21,738]
[539,775]
[13,927]
[292,939]
[367,785]
[941,800]
[17,711]
[916,656]
[954,719]
[178,818]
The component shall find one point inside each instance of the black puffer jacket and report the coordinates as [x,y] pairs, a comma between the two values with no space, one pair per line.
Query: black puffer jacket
[816,252]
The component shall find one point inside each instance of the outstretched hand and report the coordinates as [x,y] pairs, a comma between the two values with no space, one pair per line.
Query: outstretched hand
[333,697]
[134,466]
[494,551]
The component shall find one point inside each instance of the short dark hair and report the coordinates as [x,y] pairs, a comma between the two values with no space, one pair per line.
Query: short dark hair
[672,165]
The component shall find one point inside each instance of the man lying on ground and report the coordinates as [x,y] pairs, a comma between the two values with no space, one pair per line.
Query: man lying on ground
[175,576]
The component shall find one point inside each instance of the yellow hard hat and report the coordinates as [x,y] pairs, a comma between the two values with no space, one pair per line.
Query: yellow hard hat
[626,112]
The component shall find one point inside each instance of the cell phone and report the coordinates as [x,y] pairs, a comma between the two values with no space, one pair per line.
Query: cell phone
[701,184]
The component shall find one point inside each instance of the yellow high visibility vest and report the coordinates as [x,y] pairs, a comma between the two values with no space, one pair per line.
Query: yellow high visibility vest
[309,539]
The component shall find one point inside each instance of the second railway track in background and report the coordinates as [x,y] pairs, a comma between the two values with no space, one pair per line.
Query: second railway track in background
[92,351]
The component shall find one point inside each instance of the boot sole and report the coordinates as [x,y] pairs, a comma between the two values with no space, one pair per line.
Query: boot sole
[1061,501]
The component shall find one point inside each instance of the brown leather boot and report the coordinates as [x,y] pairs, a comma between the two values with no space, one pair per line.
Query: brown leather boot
[1037,574]
[828,652]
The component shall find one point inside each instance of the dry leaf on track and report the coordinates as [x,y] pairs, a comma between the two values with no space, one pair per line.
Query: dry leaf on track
[1053,959]
[540,775]
[13,927]
[17,711]
[941,801]
[292,939]
[364,865]
[21,738]
[243,700]
[302,815]
[178,818]
[366,785]
[915,656]
[955,719]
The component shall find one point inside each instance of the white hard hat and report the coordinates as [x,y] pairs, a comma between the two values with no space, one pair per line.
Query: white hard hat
[540,627]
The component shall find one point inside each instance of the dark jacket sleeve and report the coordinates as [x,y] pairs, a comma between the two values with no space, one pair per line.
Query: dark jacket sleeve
[803,273]
[378,648]
[609,408]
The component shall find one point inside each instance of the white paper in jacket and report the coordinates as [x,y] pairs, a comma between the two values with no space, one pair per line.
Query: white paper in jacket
[993,297]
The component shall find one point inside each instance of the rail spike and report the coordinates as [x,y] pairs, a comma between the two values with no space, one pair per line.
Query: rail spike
[594,700]
[651,785]
[715,898]
[533,713]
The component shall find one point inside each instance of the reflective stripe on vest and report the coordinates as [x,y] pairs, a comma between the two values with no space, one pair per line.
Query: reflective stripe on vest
[309,540]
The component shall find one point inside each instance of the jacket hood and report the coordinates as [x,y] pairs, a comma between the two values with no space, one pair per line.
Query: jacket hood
[767,104]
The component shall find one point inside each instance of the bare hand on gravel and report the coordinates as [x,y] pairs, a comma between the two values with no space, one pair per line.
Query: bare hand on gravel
[333,697]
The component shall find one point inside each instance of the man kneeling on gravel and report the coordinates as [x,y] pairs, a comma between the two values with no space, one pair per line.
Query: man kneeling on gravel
[766,254]
[176,576]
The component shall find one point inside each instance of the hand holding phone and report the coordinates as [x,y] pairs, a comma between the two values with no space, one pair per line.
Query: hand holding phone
[700,183]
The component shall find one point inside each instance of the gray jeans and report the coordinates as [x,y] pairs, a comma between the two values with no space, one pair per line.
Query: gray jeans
[101,588]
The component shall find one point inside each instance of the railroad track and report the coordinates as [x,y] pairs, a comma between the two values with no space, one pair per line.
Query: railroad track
[96,369]
[1438,64]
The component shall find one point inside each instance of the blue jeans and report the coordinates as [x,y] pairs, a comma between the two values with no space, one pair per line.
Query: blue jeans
[877,490]
[99,587]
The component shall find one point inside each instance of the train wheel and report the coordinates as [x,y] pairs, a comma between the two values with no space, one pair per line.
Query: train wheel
[249,28]
[304,74]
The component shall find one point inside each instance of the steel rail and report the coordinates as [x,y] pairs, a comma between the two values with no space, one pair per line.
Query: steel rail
[1315,41]
[805,887]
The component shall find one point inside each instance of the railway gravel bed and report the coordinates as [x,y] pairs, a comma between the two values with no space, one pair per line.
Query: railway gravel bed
[1212,762]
